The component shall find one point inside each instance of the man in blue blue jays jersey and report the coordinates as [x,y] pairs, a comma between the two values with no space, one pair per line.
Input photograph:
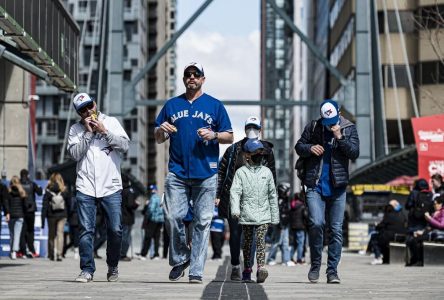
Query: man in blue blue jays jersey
[195,123]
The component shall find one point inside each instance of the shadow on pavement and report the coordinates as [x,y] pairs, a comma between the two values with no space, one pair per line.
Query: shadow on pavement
[11,265]
[222,288]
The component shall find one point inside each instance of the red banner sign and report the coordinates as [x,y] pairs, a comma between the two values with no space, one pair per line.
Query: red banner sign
[429,138]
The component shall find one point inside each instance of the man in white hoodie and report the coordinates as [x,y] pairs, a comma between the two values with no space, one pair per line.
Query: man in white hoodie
[232,160]
[96,142]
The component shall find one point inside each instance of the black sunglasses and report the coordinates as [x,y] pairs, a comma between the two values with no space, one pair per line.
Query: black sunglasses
[197,74]
[86,108]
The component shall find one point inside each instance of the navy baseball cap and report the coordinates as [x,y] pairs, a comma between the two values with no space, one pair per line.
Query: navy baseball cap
[252,145]
[329,112]
[153,187]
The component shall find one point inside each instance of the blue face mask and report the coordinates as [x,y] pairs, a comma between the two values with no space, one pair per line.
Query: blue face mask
[398,207]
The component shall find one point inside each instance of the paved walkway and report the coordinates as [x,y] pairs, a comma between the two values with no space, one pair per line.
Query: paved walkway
[43,279]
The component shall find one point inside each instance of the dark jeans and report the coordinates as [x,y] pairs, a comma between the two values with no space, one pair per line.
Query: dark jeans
[236,241]
[152,231]
[87,217]
[126,239]
[217,241]
[415,245]
[166,242]
[320,207]
[27,235]
[73,239]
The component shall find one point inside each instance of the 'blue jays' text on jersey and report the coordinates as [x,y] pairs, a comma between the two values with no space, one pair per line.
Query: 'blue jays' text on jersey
[190,156]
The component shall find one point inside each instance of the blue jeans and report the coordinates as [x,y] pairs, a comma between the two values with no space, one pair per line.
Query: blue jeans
[86,208]
[300,240]
[178,194]
[280,240]
[15,230]
[126,239]
[320,207]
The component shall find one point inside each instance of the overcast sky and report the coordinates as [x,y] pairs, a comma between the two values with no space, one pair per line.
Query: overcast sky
[225,40]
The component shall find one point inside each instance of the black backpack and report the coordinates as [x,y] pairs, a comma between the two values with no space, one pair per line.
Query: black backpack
[423,203]
[30,204]
[300,163]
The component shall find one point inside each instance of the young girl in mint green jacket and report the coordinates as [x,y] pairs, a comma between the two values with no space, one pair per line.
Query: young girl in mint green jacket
[254,202]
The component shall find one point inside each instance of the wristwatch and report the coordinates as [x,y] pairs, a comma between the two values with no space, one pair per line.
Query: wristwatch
[216,135]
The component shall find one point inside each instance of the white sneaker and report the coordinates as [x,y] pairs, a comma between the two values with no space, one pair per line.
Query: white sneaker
[142,257]
[290,263]
[271,263]
[13,255]
[377,261]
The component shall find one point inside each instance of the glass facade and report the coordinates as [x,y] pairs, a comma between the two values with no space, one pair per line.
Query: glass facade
[277,82]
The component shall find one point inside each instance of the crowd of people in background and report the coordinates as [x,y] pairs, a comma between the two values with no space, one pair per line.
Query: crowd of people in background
[422,220]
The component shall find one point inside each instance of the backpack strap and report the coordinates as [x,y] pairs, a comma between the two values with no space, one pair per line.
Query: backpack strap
[313,127]
[230,159]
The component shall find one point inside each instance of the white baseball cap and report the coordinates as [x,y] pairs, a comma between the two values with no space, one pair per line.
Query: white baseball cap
[196,65]
[329,112]
[81,100]
[253,120]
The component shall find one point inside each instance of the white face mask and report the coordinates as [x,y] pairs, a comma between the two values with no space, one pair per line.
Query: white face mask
[252,133]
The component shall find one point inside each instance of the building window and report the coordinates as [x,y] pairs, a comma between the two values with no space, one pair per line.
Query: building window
[407,21]
[55,106]
[52,128]
[127,75]
[400,76]
[429,72]
[343,43]
[39,127]
[130,30]
[335,11]
[82,6]
[431,17]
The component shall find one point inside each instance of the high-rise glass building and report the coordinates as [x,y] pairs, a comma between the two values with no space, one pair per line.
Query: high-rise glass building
[277,82]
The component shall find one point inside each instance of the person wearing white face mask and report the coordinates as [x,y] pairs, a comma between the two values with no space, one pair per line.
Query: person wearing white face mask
[233,159]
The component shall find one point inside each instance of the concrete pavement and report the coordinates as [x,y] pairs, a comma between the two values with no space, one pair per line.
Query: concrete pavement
[44,279]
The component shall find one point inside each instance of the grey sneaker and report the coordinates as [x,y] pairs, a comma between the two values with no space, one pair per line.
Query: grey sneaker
[84,277]
[333,278]
[235,273]
[113,274]
[313,274]
[261,275]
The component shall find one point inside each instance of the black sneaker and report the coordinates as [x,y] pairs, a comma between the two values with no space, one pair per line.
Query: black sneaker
[235,273]
[178,271]
[125,258]
[313,274]
[333,278]
[195,279]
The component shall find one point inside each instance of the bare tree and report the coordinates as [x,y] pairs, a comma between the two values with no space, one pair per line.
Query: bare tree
[430,22]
